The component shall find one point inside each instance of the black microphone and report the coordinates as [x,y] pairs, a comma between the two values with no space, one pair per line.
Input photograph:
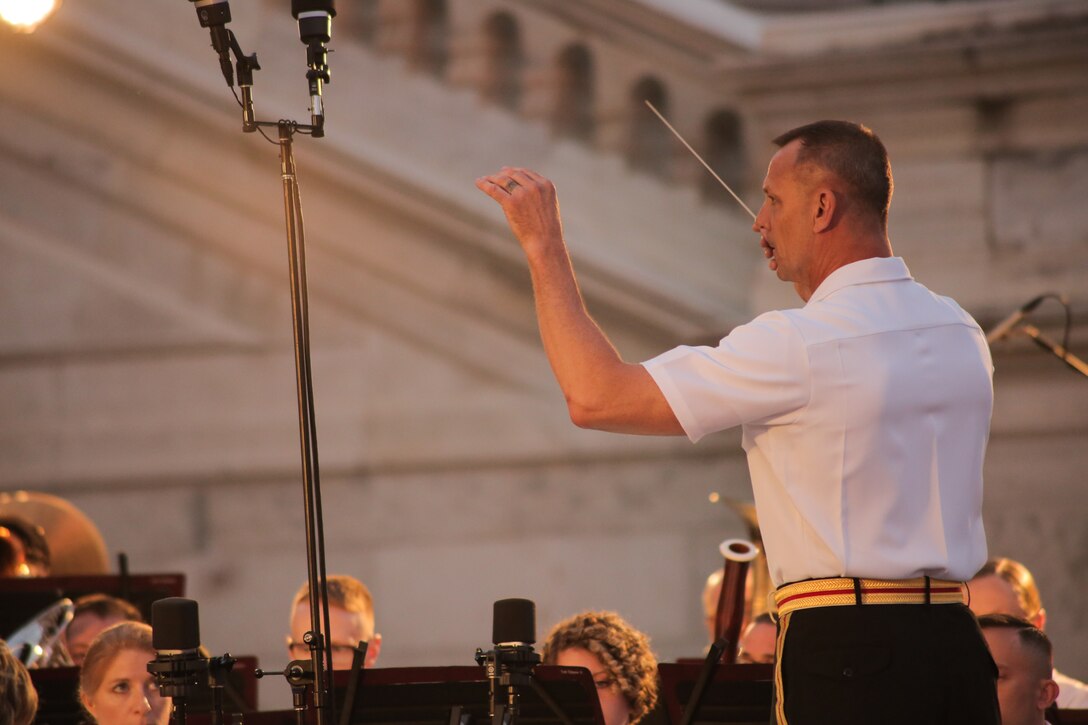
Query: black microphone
[314,19]
[181,667]
[510,663]
[1006,326]
[513,623]
[175,625]
[315,29]
[214,15]
[178,667]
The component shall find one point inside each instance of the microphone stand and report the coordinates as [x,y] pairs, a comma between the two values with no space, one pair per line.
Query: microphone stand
[320,653]
[1047,344]
[311,482]
[1015,323]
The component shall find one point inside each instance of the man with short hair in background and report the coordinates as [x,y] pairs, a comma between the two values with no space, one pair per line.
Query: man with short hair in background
[1005,586]
[757,643]
[92,614]
[351,620]
[1025,686]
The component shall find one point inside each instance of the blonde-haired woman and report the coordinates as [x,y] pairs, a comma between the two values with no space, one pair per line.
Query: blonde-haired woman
[618,657]
[114,684]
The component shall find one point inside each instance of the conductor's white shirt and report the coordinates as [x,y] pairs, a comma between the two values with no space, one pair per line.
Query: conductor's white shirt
[865,418]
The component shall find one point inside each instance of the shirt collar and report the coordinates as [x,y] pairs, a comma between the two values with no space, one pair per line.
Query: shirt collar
[865,271]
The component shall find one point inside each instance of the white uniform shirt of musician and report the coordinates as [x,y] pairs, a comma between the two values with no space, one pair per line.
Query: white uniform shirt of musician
[865,416]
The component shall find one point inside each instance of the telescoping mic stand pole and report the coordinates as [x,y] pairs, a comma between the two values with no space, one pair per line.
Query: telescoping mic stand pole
[315,30]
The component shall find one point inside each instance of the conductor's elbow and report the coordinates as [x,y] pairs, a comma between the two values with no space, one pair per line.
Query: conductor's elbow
[584,416]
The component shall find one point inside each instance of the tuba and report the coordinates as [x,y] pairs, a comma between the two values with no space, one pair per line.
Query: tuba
[56,538]
[44,535]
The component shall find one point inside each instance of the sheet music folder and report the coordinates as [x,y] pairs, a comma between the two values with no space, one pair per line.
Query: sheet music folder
[58,695]
[25,597]
[738,694]
[441,695]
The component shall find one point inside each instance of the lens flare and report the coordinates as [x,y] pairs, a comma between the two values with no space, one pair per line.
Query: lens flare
[24,16]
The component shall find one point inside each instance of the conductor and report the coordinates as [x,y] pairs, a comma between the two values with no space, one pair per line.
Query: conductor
[865,415]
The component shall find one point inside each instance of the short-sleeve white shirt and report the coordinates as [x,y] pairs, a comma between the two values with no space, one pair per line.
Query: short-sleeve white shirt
[865,419]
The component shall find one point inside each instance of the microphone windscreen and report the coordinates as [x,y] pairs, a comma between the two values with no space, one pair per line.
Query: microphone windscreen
[175,624]
[514,621]
[308,6]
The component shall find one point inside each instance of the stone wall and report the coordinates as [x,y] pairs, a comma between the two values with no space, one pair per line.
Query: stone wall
[145,350]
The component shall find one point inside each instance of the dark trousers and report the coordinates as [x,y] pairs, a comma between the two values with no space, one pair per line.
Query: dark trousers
[898,664]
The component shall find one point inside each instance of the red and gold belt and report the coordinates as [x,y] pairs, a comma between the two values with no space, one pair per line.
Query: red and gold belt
[844,591]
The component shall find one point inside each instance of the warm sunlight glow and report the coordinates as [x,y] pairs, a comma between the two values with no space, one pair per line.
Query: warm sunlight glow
[26,15]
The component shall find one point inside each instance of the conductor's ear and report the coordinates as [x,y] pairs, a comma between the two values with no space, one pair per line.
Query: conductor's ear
[826,204]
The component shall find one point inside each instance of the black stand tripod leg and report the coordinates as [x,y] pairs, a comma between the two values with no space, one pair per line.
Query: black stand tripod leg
[358,659]
[713,657]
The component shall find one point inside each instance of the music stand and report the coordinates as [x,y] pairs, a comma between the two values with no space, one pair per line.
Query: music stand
[737,694]
[461,696]
[25,597]
[58,694]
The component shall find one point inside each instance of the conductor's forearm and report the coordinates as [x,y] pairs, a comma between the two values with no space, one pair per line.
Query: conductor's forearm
[601,390]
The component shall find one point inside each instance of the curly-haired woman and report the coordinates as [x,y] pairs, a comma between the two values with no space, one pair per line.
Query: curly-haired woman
[618,657]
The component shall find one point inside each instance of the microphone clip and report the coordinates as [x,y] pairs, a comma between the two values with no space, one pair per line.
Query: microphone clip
[509,672]
[508,663]
[183,675]
[214,15]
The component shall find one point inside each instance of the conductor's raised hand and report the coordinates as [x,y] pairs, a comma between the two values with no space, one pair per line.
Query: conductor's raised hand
[530,204]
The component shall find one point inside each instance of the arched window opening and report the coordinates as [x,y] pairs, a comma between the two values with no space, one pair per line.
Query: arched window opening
[649,145]
[573,116]
[429,50]
[359,20]
[725,154]
[504,61]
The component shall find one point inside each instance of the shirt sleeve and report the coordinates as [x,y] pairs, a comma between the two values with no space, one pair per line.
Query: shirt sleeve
[757,374]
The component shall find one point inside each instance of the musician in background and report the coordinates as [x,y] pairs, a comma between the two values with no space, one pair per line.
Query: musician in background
[18,698]
[864,414]
[114,684]
[1005,586]
[712,591]
[1025,686]
[617,656]
[92,614]
[757,641]
[351,620]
